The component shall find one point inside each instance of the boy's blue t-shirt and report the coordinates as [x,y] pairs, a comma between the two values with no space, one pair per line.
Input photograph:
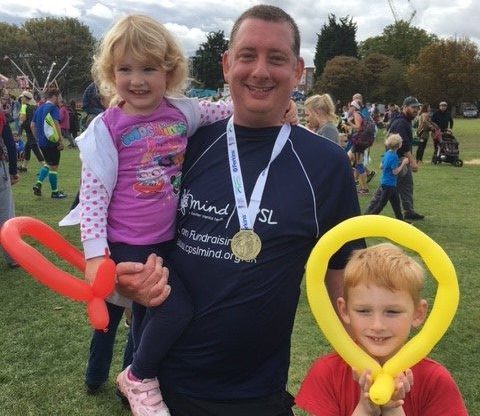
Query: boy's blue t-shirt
[390,162]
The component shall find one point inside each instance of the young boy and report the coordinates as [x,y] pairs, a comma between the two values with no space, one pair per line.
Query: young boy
[381,303]
[391,167]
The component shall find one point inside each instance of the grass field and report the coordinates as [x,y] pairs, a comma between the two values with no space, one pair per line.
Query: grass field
[45,337]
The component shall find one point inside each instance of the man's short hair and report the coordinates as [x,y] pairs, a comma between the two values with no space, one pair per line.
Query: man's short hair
[268,13]
[51,92]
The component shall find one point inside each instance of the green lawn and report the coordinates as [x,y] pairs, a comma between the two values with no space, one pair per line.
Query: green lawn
[45,337]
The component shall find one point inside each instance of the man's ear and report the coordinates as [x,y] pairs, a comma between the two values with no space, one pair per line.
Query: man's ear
[299,67]
[420,313]
[225,65]
[342,310]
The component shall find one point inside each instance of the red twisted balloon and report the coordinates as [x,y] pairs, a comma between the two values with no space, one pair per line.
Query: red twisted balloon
[50,275]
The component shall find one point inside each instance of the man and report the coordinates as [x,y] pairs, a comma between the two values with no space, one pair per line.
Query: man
[91,103]
[402,125]
[8,163]
[443,118]
[369,174]
[27,111]
[50,150]
[242,257]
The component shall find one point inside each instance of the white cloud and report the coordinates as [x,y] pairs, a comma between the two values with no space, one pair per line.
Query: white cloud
[191,20]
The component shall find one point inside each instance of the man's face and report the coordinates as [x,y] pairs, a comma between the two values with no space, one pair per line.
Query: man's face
[262,71]
[443,107]
[411,111]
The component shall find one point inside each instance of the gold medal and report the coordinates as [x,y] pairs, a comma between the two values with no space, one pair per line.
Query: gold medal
[246,245]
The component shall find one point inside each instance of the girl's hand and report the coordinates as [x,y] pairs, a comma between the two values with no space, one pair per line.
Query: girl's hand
[291,115]
[91,268]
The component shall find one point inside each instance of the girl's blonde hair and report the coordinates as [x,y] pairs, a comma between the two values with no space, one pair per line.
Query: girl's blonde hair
[322,102]
[387,266]
[393,141]
[148,41]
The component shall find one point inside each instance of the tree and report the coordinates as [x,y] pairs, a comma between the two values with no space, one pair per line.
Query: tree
[56,40]
[447,70]
[335,38]
[11,39]
[386,78]
[342,77]
[39,42]
[399,40]
[206,64]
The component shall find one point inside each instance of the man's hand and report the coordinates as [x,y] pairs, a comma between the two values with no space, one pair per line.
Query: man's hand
[60,145]
[146,284]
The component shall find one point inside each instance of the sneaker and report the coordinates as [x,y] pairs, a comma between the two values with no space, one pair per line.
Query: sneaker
[58,195]
[37,189]
[413,216]
[144,396]
[370,176]
[363,192]
[21,169]
[13,265]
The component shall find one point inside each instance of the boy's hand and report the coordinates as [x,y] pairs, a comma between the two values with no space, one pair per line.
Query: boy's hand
[403,385]
[365,406]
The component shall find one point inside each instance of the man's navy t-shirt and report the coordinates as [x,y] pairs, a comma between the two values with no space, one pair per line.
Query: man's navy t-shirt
[238,343]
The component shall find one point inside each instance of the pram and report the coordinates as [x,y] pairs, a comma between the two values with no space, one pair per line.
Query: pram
[446,149]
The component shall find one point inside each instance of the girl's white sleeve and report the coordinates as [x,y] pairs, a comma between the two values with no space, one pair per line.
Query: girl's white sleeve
[93,214]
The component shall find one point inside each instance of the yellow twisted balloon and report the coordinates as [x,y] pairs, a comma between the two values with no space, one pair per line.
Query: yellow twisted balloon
[443,311]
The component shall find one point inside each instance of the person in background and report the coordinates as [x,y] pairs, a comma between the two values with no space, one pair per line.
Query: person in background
[391,168]
[92,103]
[364,112]
[358,151]
[403,126]
[425,127]
[321,117]
[74,120]
[241,258]
[442,117]
[16,105]
[65,123]
[50,150]
[381,303]
[27,112]
[8,178]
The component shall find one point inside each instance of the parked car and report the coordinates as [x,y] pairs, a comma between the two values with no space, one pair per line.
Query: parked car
[470,112]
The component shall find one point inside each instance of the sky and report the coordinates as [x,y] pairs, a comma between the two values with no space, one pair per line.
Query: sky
[192,20]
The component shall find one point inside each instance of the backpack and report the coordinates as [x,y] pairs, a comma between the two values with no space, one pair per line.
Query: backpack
[365,136]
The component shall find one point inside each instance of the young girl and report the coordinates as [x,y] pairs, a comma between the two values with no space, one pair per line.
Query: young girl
[132,156]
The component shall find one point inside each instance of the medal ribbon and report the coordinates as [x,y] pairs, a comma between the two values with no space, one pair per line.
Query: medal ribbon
[248,212]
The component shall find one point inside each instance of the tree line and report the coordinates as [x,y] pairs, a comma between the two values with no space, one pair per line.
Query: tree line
[402,60]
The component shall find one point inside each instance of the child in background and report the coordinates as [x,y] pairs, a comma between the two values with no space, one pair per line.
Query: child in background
[20,146]
[391,168]
[132,156]
[381,303]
